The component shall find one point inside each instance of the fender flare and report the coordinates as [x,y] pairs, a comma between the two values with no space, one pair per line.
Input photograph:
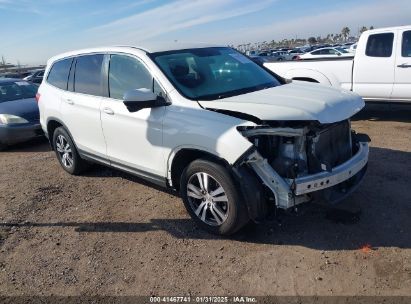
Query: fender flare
[177,149]
[249,184]
[50,138]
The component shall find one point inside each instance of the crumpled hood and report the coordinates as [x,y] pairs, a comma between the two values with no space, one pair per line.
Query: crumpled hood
[293,101]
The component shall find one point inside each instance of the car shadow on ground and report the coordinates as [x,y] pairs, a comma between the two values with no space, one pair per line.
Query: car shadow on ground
[39,144]
[97,170]
[385,112]
[377,215]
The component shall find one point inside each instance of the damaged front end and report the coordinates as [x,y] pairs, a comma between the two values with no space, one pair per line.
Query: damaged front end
[305,161]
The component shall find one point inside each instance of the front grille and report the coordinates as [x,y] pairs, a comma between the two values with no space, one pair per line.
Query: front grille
[330,148]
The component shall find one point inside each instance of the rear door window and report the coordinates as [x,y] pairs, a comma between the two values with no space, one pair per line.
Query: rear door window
[58,75]
[380,45]
[88,76]
[406,44]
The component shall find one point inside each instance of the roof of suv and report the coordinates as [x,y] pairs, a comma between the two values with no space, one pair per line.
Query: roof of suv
[148,48]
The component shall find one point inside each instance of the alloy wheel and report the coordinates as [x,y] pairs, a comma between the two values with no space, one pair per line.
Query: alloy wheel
[207,199]
[64,150]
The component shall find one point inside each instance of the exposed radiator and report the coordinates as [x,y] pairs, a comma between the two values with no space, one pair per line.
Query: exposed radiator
[330,148]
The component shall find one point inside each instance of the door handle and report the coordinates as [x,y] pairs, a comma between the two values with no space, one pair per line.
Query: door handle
[404,65]
[108,111]
[69,101]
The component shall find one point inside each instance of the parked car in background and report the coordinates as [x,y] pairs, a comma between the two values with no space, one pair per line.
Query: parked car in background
[260,60]
[263,54]
[379,71]
[327,52]
[352,48]
[347,44]
[251,53]
[277,56]
[12,75]
[232,137]
[266,56]
[284,55]
[35,76]
[306,49]
[19,112]
[294,54]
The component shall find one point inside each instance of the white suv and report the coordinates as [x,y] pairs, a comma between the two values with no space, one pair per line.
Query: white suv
[232,137]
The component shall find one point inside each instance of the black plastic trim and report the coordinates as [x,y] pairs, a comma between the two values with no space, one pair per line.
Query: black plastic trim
[93,158]
[155,179]
[251,188]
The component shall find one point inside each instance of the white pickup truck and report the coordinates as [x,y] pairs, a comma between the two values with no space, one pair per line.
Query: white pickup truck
[380,70]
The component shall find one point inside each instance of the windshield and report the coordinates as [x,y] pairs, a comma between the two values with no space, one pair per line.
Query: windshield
[212,73]
[17,90]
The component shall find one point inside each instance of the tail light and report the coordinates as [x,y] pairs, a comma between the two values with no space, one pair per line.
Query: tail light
[38,97]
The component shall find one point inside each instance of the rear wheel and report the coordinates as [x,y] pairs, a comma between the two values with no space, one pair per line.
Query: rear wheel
[67,153]
[212,199]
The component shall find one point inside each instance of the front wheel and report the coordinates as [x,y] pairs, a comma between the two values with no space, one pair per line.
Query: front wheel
[212,198]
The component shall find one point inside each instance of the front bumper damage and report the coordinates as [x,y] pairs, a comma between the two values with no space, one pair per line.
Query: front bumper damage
[291,192]
[302,162]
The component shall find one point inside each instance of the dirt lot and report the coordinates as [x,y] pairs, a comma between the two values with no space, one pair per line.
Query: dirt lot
[107,233]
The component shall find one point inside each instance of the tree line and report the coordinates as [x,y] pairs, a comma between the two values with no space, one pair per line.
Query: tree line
[332,38]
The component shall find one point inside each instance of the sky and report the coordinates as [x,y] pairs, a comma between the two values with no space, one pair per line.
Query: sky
[33,31]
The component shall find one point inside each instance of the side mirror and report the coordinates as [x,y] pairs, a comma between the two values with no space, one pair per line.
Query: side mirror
[138,99]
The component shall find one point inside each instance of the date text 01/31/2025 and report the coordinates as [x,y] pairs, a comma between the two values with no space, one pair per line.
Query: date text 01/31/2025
[202,299]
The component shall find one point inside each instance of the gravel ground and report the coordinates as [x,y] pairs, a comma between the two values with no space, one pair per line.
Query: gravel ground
[108,233]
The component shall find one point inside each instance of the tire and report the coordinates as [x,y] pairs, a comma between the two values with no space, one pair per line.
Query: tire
[223,212]
[64,145]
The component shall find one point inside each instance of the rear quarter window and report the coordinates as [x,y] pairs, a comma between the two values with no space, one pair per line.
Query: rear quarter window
[406,44]
[58,75]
